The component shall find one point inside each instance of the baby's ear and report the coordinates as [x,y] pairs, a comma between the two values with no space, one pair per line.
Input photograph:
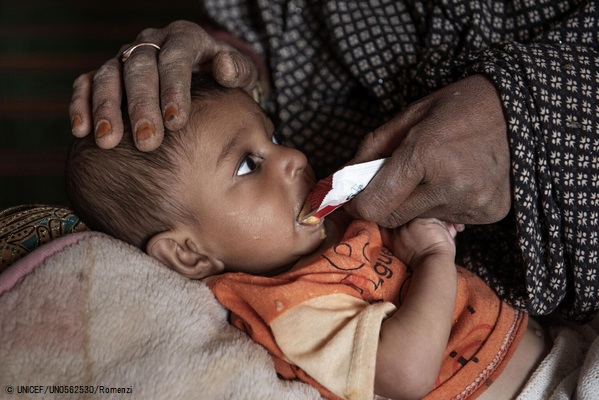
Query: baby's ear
[182,253]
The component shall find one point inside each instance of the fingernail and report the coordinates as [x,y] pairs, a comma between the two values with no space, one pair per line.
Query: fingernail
[76,122]
[236,67]
[171,113]
[144,131]
[102,129]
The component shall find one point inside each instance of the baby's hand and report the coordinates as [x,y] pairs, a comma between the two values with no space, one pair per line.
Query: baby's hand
[422,237]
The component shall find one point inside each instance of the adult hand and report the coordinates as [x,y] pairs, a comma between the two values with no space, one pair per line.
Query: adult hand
[157,84]
[449,160]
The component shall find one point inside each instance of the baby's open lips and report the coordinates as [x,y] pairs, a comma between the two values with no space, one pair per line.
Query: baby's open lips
[305,210]
[303,217]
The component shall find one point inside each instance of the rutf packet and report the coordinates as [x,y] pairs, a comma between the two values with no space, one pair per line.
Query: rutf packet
[337,189]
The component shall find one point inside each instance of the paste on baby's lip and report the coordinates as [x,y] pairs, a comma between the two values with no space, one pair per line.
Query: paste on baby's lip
[312,220]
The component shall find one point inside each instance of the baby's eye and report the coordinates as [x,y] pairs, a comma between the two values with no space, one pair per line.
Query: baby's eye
[248,165]
[277,138]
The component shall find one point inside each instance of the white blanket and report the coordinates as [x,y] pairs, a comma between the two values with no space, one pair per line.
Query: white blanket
[89,310]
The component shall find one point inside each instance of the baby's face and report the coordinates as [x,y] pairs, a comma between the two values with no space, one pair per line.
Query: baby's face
[247,189]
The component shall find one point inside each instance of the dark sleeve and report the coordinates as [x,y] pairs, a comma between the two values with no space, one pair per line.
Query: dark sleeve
[550,91]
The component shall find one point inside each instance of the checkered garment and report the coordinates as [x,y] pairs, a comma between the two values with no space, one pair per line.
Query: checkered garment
[341,68]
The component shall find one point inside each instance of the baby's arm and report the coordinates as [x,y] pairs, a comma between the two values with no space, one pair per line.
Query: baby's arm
[412,341]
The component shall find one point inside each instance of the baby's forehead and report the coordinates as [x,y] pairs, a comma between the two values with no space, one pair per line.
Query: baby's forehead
[214,121]
[229,107]
[232,102]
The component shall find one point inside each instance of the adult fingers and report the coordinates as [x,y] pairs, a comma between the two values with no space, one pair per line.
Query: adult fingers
[80,107]
[384,140]
[140,74]
[399,176]
[233,69]
[421,202]
[96,104]
[187,47]
[452,165]
[106,104]
[382,200]
[449,196]
[236,63]
[157,83]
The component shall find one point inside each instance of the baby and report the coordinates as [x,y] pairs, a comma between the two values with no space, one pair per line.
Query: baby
[343,305]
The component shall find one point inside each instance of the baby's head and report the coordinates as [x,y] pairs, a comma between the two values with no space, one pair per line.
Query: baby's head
[219,195]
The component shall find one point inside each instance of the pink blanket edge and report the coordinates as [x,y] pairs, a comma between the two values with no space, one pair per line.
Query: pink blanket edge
[26,265]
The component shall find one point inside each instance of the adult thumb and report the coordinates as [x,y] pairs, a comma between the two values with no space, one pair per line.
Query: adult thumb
[383,141]
[233,69]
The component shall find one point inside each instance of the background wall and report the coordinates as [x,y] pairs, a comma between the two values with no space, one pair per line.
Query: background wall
[44,46]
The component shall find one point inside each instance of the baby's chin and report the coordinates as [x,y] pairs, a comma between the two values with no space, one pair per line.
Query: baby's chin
[312,245]
[318,241]
[292,261]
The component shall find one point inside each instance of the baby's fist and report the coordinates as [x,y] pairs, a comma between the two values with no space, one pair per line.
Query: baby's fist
[422,237]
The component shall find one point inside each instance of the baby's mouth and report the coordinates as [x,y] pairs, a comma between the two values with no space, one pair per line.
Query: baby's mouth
[304,211]
[303,217]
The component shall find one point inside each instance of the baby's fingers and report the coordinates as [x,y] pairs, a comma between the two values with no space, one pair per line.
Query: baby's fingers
[454,228]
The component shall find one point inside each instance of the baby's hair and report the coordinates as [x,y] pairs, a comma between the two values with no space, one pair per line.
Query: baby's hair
[130,194]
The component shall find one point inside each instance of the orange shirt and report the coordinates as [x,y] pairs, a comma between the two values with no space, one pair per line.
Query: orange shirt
[321,320]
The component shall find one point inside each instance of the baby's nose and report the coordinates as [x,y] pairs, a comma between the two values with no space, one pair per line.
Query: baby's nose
[293,163]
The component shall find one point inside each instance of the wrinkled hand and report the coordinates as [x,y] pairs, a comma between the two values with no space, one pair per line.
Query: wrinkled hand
[450,160]
[420,238]
[157,84]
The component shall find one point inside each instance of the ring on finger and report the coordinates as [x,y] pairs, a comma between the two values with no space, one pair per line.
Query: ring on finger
[127,53]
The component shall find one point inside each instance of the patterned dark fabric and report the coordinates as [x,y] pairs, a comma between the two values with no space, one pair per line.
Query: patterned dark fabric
[341,68]
[25,228]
